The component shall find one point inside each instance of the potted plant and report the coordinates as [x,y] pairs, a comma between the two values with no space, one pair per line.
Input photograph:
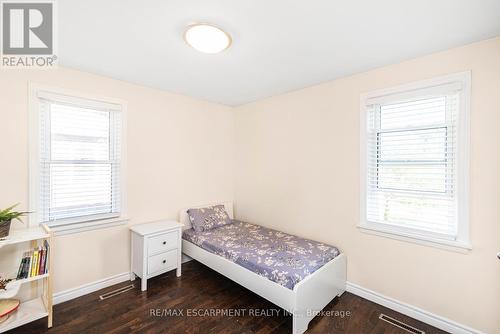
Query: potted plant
[6,217]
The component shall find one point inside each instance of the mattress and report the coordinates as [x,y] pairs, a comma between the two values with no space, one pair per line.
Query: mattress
[283,258]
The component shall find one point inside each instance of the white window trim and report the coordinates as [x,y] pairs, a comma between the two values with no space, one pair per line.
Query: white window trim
[462,243]
[34,159]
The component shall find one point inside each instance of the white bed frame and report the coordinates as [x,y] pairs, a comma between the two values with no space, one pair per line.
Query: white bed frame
[308,297]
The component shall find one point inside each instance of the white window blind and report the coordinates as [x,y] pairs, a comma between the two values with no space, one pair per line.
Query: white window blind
[412,162]
[80,145]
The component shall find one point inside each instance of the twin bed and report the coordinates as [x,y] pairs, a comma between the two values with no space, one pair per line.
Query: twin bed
[299,275]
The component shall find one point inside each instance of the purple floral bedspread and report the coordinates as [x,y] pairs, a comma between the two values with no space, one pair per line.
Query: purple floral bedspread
[281,257]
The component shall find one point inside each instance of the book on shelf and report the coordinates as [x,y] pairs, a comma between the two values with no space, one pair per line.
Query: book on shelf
[34,262]
[41,265]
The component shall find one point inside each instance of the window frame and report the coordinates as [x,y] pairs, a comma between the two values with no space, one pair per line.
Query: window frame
[72,225]
[462,242]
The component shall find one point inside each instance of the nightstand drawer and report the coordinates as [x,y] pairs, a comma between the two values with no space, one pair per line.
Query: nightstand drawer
[163,261]
[162,243]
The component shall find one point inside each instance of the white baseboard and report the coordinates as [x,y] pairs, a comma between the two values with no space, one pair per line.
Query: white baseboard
[84,289]
[81,290]
[411,311]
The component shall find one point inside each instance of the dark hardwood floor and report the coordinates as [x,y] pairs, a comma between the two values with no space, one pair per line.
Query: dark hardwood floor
[201,290]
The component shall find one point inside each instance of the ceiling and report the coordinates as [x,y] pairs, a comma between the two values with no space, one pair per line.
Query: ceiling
[278,45]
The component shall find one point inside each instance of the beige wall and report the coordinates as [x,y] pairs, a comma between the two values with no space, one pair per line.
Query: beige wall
[297,169]
[180,152]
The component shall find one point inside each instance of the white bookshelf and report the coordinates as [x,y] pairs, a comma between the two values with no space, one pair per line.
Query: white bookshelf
[39,306]
[28,311]
[24,235]
[31,279]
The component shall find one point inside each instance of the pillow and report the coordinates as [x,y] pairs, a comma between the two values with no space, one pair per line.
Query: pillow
[204,219]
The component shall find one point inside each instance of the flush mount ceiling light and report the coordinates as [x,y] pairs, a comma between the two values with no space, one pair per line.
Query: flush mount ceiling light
[207,38]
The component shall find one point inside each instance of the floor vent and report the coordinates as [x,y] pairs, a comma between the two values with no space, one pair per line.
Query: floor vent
[116,292]
[400,324]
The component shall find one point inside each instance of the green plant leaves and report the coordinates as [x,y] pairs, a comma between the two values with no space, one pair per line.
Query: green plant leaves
[8,214]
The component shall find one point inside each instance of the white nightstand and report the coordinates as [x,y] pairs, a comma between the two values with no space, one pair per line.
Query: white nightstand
[156,249]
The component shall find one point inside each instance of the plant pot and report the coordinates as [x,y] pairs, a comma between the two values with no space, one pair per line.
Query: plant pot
[4,228]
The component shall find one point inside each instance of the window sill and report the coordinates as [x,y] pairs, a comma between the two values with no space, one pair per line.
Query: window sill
[72,228]
[450,245]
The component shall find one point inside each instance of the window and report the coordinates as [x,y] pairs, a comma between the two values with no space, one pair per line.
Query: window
[77,175]
[414,161]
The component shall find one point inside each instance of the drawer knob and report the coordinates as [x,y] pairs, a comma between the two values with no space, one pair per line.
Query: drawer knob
[164,261]
[164,242]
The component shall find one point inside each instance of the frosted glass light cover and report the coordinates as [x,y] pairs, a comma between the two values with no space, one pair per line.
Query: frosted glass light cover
[207,38]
